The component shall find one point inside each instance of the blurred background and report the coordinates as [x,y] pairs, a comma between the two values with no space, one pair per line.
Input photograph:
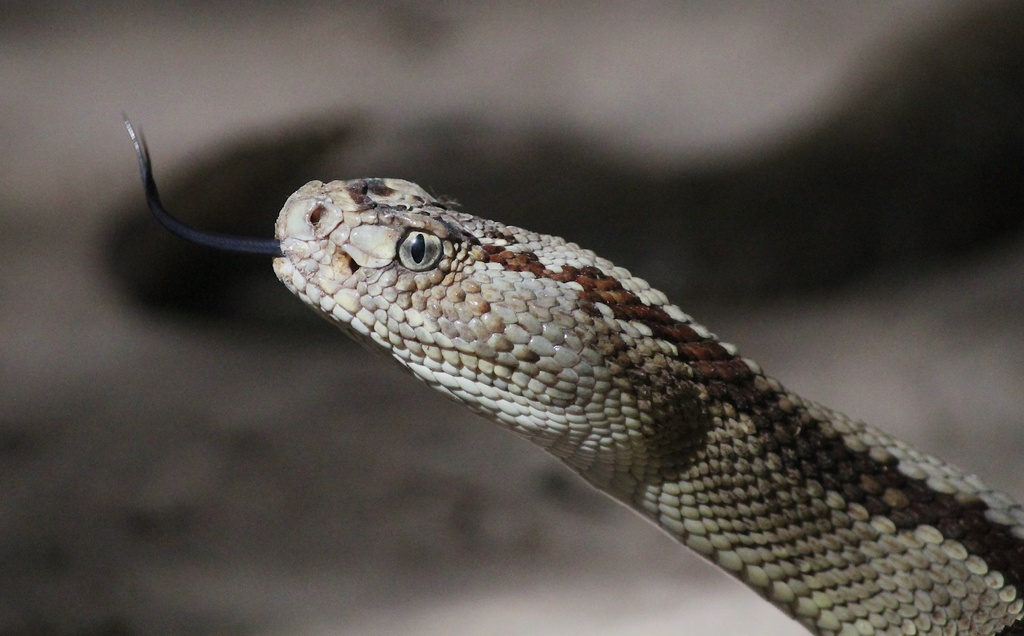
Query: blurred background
[835,187]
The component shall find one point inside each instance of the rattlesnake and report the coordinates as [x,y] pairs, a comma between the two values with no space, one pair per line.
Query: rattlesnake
[843,527]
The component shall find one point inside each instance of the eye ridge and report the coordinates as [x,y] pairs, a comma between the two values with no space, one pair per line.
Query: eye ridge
[419,251]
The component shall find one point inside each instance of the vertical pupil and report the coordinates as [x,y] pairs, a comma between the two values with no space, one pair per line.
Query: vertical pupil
[418,249]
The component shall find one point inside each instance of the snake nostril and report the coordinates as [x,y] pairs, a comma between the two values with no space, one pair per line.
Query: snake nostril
[315,215]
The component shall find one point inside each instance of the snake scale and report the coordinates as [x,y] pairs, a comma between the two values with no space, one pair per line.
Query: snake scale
[846,529]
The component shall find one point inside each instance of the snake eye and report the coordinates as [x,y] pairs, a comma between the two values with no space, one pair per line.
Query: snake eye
[419,251]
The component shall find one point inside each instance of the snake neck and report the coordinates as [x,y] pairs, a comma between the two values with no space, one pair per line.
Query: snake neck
[843,527]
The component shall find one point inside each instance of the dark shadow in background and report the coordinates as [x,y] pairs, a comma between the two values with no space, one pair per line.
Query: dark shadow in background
[925,163]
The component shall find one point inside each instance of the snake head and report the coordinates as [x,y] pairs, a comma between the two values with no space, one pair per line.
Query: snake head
[537,334]
[367,253]
[557,344]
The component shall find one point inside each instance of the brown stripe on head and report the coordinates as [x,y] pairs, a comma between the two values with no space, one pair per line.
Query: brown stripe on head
[599,287]
[706,358]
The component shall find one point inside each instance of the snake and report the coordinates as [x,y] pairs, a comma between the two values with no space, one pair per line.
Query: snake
[845,528]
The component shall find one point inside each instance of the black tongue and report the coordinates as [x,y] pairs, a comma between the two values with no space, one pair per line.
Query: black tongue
[227,242]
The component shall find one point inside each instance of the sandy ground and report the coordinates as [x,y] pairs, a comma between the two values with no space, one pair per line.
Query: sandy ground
[161,475]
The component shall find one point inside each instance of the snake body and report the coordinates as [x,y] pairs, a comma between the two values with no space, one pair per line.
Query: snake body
[840,525]
[843,527]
